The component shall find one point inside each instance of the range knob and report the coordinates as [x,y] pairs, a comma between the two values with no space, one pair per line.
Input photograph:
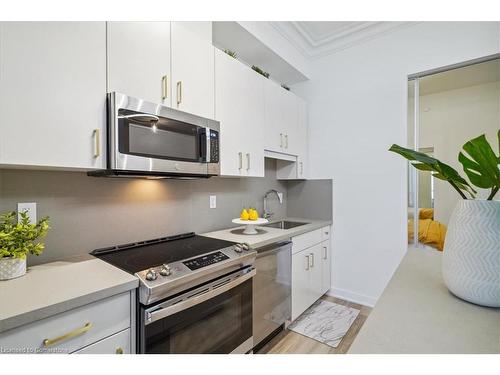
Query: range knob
[238,248]
[245,246]
[151,275]
[165,270]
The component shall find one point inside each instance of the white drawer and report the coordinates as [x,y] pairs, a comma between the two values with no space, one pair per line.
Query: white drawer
[103,318]
[325,233]
[116,344]
[306,240]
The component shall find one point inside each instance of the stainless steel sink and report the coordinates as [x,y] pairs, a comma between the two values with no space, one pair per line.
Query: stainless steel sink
[284,224]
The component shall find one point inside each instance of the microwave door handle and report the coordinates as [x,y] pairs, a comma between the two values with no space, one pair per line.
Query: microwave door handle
[153,316]
[204,142]
[208,152]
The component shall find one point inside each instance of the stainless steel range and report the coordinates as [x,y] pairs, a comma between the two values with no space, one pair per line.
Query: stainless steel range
[195,293]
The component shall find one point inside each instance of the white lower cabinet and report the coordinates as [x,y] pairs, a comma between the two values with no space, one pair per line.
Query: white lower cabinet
[73,330]
[300,283]
[119,343]
[326,266]
[311,270]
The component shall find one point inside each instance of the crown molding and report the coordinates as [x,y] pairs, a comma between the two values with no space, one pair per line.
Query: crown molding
[350,35]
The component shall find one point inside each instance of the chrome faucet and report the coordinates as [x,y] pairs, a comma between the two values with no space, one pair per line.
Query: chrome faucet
[265,214]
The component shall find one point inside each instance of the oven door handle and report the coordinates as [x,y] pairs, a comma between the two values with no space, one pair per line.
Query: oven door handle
[152,316]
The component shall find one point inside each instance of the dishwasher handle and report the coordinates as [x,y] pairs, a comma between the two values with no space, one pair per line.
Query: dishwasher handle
[273,248]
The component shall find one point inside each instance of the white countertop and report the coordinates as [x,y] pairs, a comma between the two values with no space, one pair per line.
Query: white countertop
[52,288]
[267,235]
[417,314]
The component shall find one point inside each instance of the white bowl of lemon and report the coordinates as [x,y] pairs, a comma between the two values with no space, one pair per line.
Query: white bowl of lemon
[250,218]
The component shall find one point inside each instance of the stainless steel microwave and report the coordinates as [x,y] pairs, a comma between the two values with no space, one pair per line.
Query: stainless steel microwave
[154,141]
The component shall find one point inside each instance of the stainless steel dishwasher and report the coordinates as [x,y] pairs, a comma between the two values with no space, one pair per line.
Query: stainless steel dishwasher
[272,291]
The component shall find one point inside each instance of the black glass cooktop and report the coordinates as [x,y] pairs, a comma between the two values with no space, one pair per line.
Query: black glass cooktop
[139,256]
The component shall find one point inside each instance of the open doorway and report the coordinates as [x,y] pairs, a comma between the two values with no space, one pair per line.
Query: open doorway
[446,108]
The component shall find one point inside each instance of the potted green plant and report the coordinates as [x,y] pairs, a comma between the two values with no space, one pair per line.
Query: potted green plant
[17,239]
[260,71]
[230,53]
[471,258]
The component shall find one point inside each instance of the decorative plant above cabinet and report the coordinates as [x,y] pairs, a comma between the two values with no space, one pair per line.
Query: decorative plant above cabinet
[230,53]
[260,71]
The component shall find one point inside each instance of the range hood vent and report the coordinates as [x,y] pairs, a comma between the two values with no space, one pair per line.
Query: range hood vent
[145,174]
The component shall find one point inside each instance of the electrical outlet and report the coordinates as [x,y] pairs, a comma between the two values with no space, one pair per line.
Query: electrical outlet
[213,201]
[28,207]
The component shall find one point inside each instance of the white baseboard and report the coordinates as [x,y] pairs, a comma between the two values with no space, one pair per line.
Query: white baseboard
[352,297]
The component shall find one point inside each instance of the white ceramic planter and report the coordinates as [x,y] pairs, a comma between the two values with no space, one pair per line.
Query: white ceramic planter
[471,258]
[10,268]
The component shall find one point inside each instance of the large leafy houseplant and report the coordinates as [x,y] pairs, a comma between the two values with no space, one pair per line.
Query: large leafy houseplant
[471,261]
[478,159]
[19,238]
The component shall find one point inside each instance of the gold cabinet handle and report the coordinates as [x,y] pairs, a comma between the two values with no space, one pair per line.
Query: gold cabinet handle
[281,140]
[164,85]
[240,156]
[248,161]
[67,336]
[312,260]
[301,168]
[326,252]
[97,143]
[308,261]
[179,92]
[286,141]
[119,350]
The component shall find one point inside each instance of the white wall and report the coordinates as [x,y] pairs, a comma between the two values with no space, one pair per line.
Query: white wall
[357,109]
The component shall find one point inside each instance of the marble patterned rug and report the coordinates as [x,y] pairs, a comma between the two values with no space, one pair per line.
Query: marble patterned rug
[326,322]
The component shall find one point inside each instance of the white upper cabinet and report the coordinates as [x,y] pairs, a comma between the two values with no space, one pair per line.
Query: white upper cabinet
[303,146]
[281,117]
[139,60]
[298,139]
[52,94]
[239,106]
[193,68]
[274,108]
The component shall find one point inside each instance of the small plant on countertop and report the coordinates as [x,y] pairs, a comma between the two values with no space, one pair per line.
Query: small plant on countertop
[17,239]
[230,53]
[285,86]
[260,71]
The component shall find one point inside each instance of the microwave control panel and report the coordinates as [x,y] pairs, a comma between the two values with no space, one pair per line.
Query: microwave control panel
[214,146]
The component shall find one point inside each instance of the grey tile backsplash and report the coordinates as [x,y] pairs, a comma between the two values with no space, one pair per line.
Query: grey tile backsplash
[88,213]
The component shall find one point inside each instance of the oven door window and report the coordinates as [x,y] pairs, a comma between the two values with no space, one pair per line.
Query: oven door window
[218,325]
[159,137]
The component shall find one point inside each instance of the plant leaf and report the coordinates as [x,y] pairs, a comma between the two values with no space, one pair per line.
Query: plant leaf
[440,170]
[480,163]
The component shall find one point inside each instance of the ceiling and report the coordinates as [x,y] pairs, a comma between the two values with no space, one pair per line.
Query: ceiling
[320,38]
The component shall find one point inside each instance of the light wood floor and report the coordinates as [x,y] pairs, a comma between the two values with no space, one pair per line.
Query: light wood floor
[289,342]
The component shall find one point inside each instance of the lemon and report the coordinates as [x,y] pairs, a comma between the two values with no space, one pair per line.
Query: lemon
[244,215]
[253,214]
